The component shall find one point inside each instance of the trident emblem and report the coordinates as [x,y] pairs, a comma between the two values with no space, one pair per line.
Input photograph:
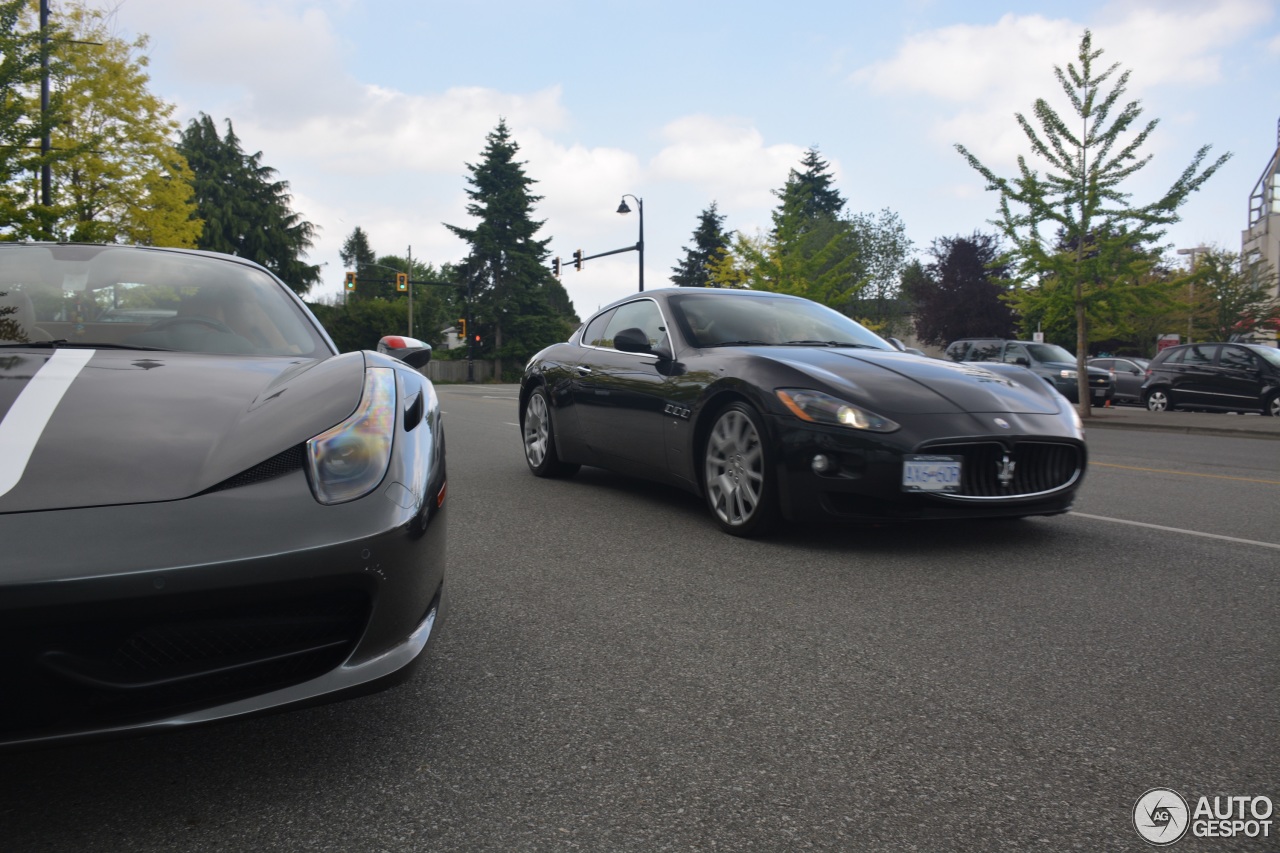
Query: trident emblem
[1005,473]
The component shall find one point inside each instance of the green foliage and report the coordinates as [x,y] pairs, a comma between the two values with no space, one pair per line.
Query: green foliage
[515,303]
[22,123]
[710,244]
[1232,297]
[246,211]
[881,247]
[1073,229]
[959,294]
[121,179]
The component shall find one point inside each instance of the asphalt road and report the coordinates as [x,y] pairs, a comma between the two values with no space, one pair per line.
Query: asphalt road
[615,674]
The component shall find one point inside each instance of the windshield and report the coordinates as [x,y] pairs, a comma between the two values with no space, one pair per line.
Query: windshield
[709,320]
[1050,352]
[125,297]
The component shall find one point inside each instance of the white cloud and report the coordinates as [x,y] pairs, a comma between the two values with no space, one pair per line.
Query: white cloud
[725,158]
[989,73]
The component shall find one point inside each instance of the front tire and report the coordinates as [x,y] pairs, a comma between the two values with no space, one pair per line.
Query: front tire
[539,439]
[739,478]
[1158,401]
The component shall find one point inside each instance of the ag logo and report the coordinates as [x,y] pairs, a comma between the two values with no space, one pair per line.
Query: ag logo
[1161,816]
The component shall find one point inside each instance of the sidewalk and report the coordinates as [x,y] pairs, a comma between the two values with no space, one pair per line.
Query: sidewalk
[1194,423]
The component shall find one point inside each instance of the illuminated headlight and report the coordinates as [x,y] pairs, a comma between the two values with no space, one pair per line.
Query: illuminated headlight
[822,408]
[1067,374]
[350,460]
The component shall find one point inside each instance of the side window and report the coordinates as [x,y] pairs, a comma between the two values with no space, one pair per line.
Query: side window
[594,334]
[955,351]
[985,351]
[1198,356]
[643,314]
[1108,363]
[1175,357]
[1237,358]
[1013,352]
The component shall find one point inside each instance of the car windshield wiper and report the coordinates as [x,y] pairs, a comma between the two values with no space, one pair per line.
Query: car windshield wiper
[827,344]
[747,343]
[63,342]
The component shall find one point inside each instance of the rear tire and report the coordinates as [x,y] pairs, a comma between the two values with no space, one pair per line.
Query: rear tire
[1158,401]
[740,482]
[1272,406]
[540,439]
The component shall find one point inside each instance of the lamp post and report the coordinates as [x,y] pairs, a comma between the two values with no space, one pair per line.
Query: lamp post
[1191,284]
[622,208]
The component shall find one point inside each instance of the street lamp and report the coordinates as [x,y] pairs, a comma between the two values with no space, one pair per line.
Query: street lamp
[622,208]
[1191,284]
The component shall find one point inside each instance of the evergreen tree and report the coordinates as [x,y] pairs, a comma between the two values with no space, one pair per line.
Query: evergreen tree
[246,211]
[710,243]
[808,197]
[1081,195]
[516,305]
[959,294]
[358,257]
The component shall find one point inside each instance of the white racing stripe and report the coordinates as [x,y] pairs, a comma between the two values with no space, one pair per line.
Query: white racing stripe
[22,427]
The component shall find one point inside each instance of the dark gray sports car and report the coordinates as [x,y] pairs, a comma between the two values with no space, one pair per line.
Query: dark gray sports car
[773,406]
[206,512]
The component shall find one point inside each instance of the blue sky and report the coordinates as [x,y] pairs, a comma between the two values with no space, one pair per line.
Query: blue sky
[372,109]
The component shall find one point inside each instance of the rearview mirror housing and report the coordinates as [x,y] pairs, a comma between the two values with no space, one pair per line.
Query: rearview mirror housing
[411,351]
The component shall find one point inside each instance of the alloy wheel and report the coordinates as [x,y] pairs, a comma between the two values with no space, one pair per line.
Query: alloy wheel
[1158,401]
[537,431]
[735,469]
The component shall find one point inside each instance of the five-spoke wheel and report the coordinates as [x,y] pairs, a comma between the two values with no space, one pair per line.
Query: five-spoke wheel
[1158,401]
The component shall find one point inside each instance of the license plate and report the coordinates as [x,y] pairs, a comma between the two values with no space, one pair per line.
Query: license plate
[1100,393]
[922,473]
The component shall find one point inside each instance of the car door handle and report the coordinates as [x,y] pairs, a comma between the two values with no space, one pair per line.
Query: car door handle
[583,370]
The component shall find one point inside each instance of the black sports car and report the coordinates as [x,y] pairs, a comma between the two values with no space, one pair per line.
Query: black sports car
[205,511]
[770,405]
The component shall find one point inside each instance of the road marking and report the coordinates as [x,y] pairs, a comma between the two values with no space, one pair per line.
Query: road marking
[509,423]
[1185,473]
[1235,539]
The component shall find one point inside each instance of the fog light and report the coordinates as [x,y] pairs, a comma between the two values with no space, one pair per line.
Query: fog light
[821,464]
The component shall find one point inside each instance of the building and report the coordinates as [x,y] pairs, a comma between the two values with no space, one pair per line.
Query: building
[1261,240]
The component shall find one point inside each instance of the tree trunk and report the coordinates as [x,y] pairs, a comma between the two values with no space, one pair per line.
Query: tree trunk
[497,348]
[1082,355]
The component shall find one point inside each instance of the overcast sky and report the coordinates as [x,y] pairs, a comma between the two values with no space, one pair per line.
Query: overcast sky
[372,109]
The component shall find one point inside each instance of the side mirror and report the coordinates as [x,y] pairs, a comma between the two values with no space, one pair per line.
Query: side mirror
[632,340]
[1023,360]
[898,345]
[411,351]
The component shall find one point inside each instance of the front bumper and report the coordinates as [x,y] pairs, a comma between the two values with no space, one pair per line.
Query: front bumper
[130,619]
[864,482]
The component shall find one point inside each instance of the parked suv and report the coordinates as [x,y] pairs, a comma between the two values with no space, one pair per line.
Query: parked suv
[1220,377]
[1050,362]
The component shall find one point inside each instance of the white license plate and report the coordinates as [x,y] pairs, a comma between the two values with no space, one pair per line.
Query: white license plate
[922,473]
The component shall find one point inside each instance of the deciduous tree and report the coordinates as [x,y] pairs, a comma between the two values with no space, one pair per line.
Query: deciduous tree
[959,293]
[1080,201]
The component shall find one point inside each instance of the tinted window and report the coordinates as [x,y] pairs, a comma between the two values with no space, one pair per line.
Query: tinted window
[1013,352]
[1050,352]
[724,319]
[1108,363]
[642,314]
[1237,358]
[594,336]
[1198,355]
[985,351]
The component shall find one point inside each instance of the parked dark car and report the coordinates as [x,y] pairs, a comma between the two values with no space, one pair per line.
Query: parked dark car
[1050,362]
[769,405]
[1220,377]
[1128,373]
[206,511]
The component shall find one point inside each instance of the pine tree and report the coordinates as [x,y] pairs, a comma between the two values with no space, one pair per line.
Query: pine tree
[1080,198]
[809,196]
[508,286]
[358,256]
[246,211]
[710,243]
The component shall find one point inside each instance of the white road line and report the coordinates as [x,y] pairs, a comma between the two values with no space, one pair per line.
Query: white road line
[509,423]
[1235,539]
[26,419]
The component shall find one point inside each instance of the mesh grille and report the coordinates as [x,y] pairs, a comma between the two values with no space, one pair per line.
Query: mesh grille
[277,466]
[1037,467]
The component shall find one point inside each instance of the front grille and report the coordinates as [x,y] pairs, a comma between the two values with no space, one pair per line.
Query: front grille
[1028,468]
[1100,381]
[137,661]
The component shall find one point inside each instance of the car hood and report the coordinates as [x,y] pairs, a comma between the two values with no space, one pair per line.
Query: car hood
[1071,365]
[134,427]
[902,383]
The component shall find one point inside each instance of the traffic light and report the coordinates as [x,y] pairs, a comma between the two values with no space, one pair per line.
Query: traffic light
[477,338]
[577,259]
[555,267]
[402,281]
[462,324]
[351,281]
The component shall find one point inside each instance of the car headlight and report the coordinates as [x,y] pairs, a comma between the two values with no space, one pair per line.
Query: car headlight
[1067,374]
[350,460]
[821,408]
